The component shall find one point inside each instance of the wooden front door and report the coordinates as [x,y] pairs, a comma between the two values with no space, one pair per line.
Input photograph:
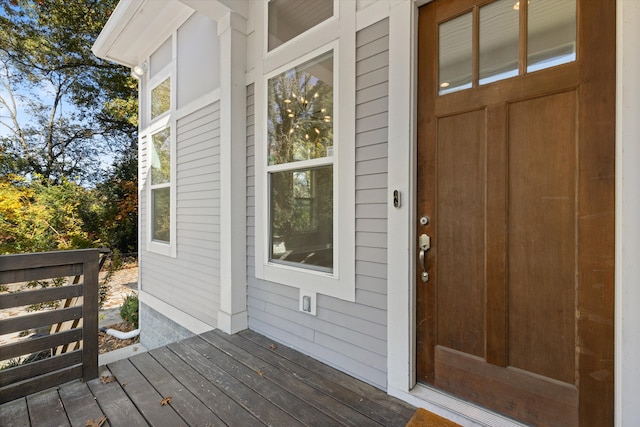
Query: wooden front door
[516,149]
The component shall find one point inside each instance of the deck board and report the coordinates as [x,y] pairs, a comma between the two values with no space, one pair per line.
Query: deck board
[79,404]
[15,414]
[199,356]
[45,408]
[260,379]
[227,409]
[182,400]
[146,398]
[360,396]
[213,379]
[114,402]
[254,357]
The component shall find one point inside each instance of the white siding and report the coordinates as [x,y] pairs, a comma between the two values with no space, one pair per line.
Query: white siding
[191,281]
[350,336]
[198,62]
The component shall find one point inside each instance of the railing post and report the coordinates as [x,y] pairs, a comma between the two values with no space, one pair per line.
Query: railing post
[91,270]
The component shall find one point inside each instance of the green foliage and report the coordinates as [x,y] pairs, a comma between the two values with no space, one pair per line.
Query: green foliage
[61,107]
[61,111]
[44,284]
[37,216]
[129,310]
[118,206]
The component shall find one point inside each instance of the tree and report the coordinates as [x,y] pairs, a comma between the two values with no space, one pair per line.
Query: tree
[37,216]
[61,108]
[119,205]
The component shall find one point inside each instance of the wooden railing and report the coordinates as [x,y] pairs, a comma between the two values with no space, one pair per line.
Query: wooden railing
[72,349]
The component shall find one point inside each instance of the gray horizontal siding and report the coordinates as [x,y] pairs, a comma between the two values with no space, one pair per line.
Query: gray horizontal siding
[349,336]
[196,269]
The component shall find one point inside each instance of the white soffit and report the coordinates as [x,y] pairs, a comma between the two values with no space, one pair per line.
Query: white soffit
[136,27]
[218,9]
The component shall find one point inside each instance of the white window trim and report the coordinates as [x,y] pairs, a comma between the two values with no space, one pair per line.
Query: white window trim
[337,33]
[165,120]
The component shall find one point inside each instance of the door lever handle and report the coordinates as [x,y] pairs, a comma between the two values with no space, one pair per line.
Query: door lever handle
[425,245]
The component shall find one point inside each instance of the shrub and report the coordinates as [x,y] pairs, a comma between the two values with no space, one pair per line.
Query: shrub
[129,310]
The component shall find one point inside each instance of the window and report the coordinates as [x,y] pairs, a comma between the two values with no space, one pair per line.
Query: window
[550,34]
[158,140]
[305,148]
[161,98]
[288,19]
[161,186]
[300,146]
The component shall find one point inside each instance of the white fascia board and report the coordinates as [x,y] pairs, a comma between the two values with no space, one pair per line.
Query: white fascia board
[118,22]
[136,27]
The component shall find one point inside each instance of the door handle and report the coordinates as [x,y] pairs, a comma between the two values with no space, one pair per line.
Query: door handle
[425,245]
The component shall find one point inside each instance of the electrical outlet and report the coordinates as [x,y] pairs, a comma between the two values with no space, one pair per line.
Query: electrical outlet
[308,302]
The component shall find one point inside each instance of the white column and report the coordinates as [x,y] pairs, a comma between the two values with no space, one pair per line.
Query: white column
[232,316]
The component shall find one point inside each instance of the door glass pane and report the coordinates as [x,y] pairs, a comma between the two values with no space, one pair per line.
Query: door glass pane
[455,54]
[161,157]
[498,41]
[300,112]
[302,218]
[289,18]
[161,199]
[552,33]
[161,98]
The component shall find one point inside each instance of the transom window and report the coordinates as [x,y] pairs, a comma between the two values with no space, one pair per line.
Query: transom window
[288,19]
[505,47]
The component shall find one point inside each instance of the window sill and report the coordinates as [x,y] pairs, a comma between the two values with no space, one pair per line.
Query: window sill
[160,248]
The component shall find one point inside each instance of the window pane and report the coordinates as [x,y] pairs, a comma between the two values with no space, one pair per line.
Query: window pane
[161,203]
[161,98]
[552,33]
[300,112]
[161,157]
[498,41]
[289,18]
[302,217]
[455,54]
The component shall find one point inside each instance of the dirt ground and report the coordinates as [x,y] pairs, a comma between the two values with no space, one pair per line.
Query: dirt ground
[123,282]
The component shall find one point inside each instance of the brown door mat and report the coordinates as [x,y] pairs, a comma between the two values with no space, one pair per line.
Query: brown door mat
[424,418]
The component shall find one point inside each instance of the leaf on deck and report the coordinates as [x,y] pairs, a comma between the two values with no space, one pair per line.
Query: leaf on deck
[96,423]
[106,379]
[167,400]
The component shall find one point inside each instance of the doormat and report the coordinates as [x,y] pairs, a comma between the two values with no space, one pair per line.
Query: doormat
[424,418]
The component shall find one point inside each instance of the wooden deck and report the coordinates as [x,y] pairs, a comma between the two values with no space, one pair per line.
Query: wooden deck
[210,380]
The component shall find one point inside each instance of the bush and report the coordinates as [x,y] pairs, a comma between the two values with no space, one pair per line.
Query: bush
[129,310]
